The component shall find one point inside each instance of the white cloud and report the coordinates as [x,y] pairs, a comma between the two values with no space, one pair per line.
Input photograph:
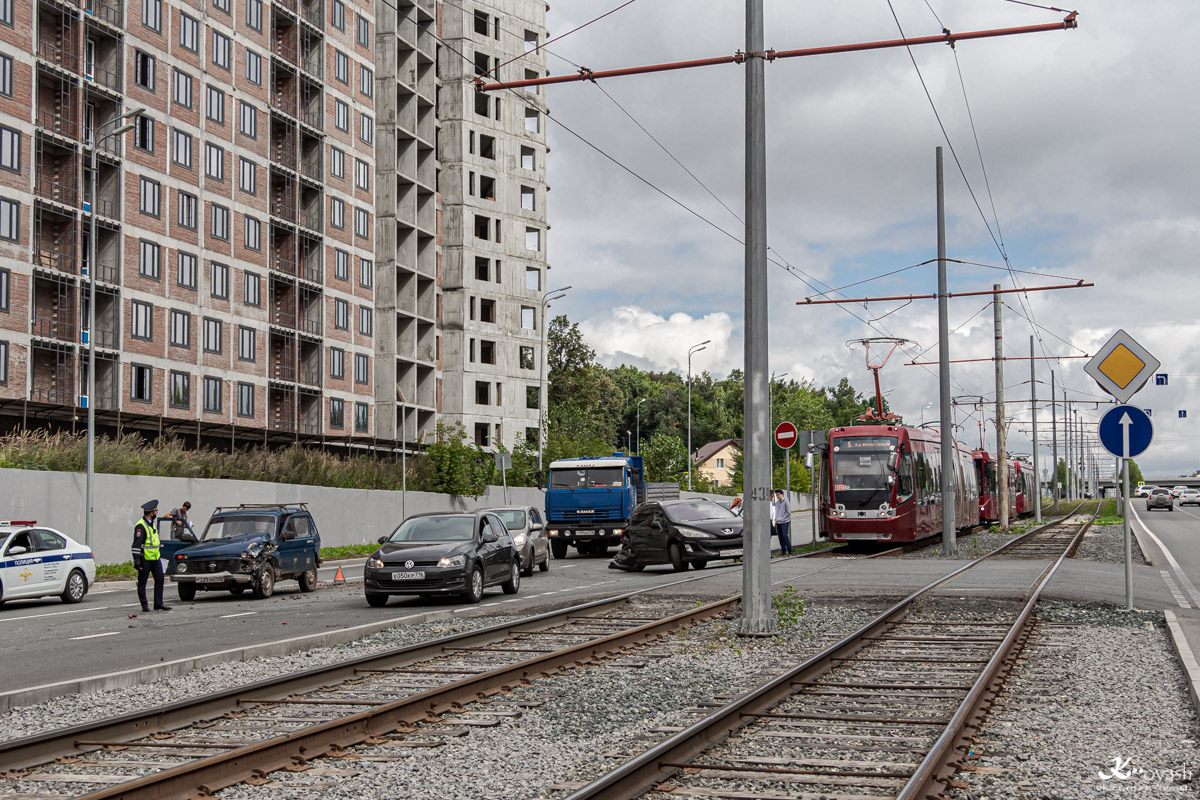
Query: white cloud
[632,335]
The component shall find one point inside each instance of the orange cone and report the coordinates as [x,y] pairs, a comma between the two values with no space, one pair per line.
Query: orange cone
[339,577]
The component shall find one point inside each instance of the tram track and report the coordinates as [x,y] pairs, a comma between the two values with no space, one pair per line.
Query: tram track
[241,735]
[883,713]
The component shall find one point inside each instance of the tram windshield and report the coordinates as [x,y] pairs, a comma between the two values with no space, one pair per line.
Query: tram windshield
[863,473]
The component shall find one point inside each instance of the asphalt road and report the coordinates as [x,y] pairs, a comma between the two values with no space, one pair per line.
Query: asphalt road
[45,641]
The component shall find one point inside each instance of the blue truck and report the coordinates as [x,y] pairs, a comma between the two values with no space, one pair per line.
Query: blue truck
[589,501]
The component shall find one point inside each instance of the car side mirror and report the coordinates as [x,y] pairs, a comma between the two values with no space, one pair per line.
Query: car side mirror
[537,526]
[16,551]
[383,539]
[490,537]
[288,534]
[656,525]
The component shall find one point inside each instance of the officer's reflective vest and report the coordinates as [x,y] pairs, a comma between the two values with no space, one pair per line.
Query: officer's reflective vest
[150,544]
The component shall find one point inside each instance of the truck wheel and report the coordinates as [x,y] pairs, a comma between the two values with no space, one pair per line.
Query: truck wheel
[264,587]
[187,591]
[559,548]
[676,556]
[308,580]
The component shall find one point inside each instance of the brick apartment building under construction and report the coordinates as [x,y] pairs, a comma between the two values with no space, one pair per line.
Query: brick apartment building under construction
[317,230]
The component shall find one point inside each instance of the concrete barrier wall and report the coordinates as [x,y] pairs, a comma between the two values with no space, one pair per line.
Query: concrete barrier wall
[343,516]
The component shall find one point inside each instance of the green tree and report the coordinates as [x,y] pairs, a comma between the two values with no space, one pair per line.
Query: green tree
[665,457]
[1135,473]
[845,405]
[455,465]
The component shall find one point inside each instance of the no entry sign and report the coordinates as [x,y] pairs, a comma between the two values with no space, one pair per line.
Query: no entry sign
[785,435]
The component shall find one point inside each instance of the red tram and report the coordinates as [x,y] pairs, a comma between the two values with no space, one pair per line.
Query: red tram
[883,483]
[1022,487]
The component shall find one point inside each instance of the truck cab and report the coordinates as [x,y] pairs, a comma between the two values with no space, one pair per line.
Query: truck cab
[250,546]
[589,501]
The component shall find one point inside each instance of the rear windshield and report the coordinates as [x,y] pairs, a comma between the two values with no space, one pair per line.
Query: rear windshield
[697,511]
[435,529]
[513,520]
[239,525]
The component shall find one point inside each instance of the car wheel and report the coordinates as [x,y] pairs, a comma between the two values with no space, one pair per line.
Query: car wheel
[545,565]
[639,567]
[474,591]
[76,587]
[236,590]
[308,580]
[527,571]
[699,564]
[513,584]
[264,587]
[187,591]
[377,600]
[676,555]
[559,548]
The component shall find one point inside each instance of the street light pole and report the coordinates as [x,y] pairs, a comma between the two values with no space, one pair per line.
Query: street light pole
[696,348]
[638,440]
[551,294]
[91,327]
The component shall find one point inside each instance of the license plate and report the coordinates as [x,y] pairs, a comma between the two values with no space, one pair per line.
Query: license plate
[210,579]
[408,576]
[731,553]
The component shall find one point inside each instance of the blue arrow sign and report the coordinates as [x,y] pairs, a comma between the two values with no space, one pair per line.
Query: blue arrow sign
[1125,431]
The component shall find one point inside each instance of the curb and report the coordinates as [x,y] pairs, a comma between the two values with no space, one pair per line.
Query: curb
[1187,659]
[171,669]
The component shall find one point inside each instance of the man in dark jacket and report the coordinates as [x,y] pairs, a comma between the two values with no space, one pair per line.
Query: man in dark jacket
[146,556]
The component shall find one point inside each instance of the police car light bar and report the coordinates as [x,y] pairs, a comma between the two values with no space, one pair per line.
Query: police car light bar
[14,523]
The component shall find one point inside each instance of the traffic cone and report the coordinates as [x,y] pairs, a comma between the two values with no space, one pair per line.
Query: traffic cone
[339,577]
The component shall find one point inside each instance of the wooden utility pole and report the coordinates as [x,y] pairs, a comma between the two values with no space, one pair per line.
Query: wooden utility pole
[1001,439]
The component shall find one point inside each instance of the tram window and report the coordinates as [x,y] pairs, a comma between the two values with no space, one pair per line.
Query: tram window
[904,486]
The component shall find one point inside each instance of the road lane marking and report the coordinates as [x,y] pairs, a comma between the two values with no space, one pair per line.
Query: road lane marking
[51,614]
[1179,598]
[1179,573]
[243,614]
[94,636]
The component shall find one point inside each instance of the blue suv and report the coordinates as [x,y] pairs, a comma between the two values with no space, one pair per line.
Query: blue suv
[251,546]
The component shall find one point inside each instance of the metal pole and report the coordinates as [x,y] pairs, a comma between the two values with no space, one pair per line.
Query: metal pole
[1054,440]
[638,438]
[1001,438]
[1125,523]
[1037,505]
[1067,486]
[812,493]
[91,343]
[949,517]
[546,298]
[758,617]
[403,460]
[696,348]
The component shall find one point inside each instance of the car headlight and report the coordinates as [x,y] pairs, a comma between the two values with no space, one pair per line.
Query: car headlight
[692,533]
[253,550]
[519,540]
[181,567]
[374,563]
[452,561]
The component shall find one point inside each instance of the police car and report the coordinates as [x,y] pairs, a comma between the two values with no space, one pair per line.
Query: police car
[36,561]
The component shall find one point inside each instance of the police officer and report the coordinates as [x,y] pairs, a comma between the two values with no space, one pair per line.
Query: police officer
[145,556]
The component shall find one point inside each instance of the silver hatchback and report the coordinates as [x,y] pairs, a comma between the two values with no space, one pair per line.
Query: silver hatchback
[1160,498]
[529,536]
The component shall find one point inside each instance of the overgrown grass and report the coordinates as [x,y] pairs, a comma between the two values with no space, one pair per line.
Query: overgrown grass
[169,457]
[1108,514]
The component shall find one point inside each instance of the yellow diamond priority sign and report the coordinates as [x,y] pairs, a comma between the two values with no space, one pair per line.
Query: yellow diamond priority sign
[1122,366]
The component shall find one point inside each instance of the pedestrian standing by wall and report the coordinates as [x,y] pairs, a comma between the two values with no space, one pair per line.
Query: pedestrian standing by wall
[783,521]
[145,556]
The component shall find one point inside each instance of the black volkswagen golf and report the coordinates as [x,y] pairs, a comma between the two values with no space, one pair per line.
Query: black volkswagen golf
[679,533]
[443,553]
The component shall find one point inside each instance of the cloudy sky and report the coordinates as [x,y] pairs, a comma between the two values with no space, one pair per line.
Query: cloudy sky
[1081,164]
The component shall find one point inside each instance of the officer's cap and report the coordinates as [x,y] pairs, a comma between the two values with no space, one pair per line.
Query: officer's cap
[150,505]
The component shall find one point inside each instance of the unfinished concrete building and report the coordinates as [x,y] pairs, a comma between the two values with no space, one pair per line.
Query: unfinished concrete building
[493,187]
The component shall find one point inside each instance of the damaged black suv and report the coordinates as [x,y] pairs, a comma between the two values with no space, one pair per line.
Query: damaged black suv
[250,546]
